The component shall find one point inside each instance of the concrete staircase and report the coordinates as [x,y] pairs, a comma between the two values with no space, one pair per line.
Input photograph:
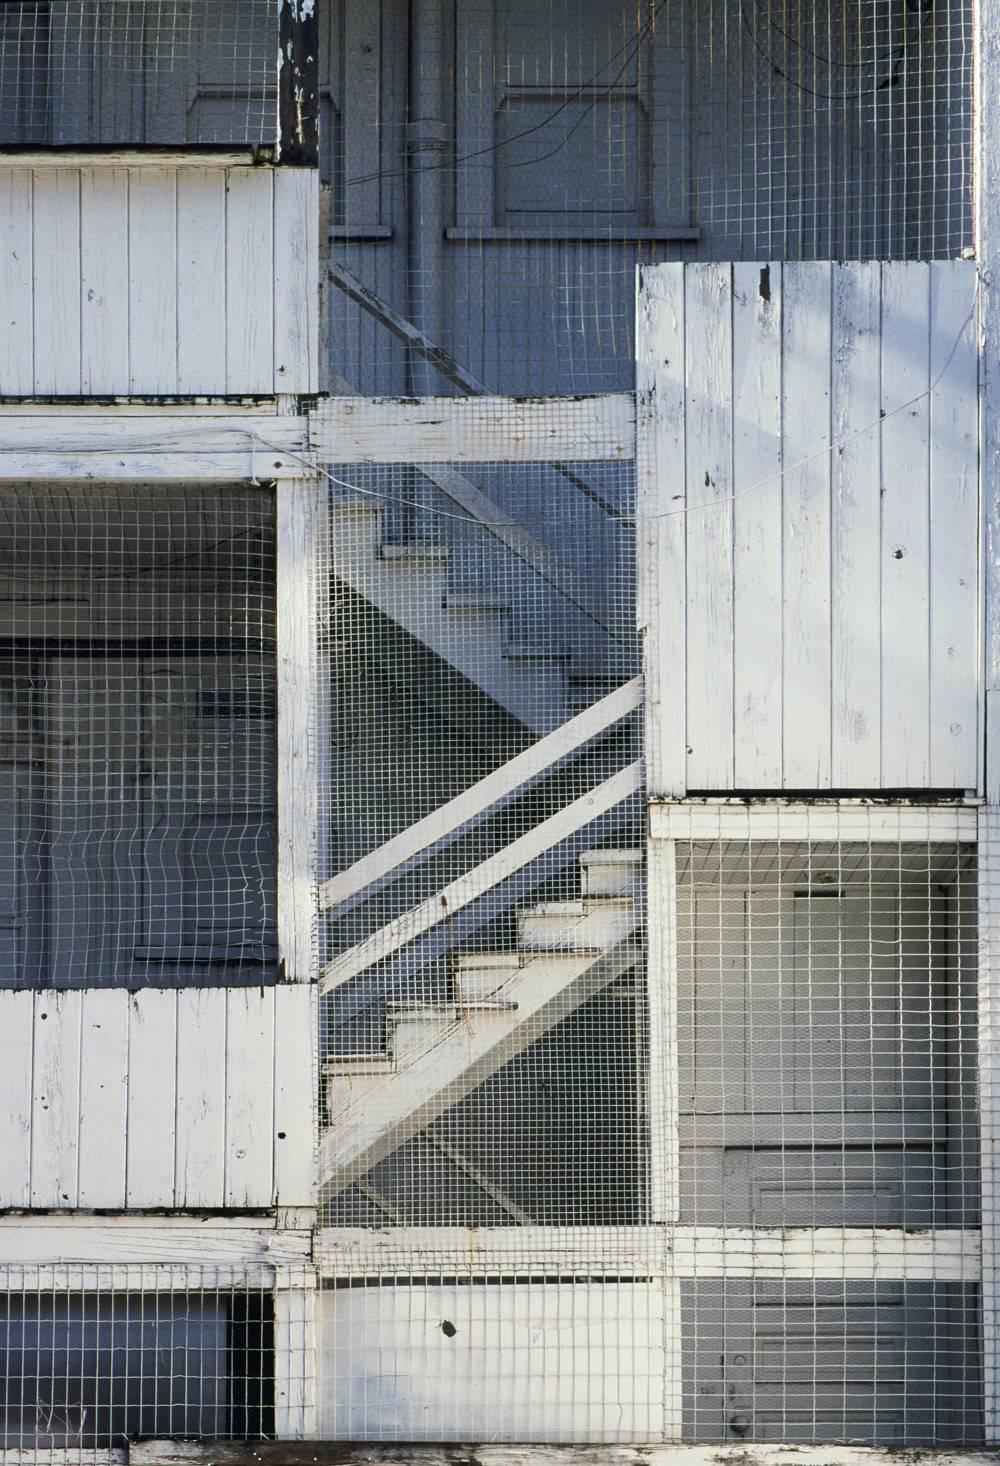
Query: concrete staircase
[409,584]
[503,1001]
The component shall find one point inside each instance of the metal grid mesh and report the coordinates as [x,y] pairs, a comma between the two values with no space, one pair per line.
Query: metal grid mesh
[89,1363]
[137,72]
[137,743]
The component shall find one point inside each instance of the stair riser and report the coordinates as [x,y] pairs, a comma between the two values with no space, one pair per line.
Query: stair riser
[594,929]
[613,879]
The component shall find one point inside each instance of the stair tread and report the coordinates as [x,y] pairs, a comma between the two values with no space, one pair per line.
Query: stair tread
[609,857]
[582,907]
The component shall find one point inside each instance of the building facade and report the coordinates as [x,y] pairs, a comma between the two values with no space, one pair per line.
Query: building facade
[496,789]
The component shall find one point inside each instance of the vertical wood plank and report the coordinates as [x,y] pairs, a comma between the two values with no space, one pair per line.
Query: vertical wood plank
[152,1098]
[295,1029]
[249,1069]
[300,519]
[295,1363]
[104,264]
[296,297]
[17,356]
[56,1100]
[954,529]
[153,280]
[201,280]
[806,527]
[661,493]
[708,355]
[56,252]
[757,620]
[988,1045]
[856,520]
[103,1097]
[662,1100]
[249,268]
[201,1097]
[16,1046]
[905,524]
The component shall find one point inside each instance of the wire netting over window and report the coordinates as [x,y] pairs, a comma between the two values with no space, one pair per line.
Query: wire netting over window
[497,177]
[138,72]
[137,742]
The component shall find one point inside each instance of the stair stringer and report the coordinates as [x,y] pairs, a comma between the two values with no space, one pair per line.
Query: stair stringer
[373,1114]
[411,590]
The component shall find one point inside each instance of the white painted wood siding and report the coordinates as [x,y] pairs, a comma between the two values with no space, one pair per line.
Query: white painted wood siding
[156,1098]
[809,526]
[196,279]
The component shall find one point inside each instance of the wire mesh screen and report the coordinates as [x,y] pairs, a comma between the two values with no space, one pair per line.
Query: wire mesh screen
[495,181]
[138,72]
[686,1152]
[137,738]
[89,1363]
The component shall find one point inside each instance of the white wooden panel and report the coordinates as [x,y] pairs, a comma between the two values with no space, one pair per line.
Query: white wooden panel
[16,1045]
[806,538]
[103,1098]
[905,524]
[152,1088]
[16,253]
[856,528]
[296,286]
[294,1090]
[954,526]
[249,1109]
[201,273]
[559,1361]
[848,633]
[295,1363]
[55,1111]
[104,267]
[757,614]
[56,252]
[708,359]
[249,258]
[153,285]
[201,1097]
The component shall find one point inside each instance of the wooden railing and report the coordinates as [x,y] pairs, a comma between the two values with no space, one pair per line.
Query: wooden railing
[443,825]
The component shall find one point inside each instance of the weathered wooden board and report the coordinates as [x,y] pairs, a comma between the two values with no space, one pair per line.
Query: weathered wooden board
[187,1098]
[158,279]
[808,526]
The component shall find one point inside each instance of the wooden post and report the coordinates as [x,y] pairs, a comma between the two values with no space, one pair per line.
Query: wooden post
[297,511]
[987,236]
[298,84]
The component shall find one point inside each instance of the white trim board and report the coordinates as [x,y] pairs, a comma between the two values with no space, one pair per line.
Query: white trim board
[474,429]
[823,820]
[803,1253]
[195,447]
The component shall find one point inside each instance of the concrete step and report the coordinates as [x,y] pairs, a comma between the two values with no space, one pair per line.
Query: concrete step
[595,923]
[610,872]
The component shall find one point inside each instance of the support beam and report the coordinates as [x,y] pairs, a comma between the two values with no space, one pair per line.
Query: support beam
[298,83]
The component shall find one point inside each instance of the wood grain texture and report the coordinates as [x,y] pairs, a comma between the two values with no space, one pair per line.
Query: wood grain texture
[104,268]
[56,282]
[837,631]
[17,340]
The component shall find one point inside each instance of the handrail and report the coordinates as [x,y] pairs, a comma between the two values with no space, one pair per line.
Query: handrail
[476,882]
[502,784]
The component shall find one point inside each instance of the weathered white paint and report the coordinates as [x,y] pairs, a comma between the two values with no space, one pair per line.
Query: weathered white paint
[157,1098]
[295,1363]
[662,1251]
[988,1029]
[173,447]
[808,544]
[135,1241]
[299,520]
[130,274]
[847,820]
[645,1453]
[473,429]
[538,1361]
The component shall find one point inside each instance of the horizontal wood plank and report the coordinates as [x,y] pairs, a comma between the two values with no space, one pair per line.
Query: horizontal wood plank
[474,429]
